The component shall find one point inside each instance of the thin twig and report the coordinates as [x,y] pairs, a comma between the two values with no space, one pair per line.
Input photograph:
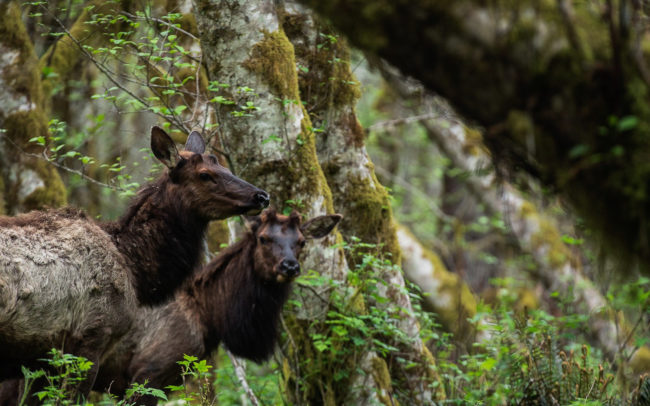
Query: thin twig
[399,121]
[436,210]
[45,158]
[158,20]
[240,371]
[108,74]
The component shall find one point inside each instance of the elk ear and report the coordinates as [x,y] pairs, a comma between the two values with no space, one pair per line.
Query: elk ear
[320,226]
[195,143]
[163,147]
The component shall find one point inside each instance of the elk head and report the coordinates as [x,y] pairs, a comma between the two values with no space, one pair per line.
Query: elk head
[279,240]
[200,182]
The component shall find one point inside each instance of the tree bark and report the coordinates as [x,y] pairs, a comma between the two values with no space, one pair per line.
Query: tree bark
[245,47]
[330,92]
[560,87]
[27,183]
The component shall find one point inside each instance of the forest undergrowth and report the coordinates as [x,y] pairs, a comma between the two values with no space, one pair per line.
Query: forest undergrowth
[522,356]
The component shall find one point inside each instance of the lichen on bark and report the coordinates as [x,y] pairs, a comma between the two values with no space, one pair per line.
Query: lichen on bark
[445,292]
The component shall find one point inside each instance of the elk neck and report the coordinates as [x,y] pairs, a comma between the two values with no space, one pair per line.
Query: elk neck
[161,240]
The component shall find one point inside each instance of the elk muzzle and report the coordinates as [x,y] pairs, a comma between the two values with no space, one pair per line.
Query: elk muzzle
[290,268]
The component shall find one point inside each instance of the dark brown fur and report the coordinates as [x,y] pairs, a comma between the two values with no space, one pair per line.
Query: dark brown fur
[236,299]
[53,295]
[160,234]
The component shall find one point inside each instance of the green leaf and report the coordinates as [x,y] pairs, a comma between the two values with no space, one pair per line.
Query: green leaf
[271,138]
[578,151]
[488,364]
[179,109]
[627,123]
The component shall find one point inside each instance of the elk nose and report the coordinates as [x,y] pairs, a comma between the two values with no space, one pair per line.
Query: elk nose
[261,198]
[290,267]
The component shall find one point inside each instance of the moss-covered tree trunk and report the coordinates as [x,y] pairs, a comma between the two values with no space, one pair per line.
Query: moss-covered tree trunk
[27,182]
[562,89]
[330,92]
[270,142]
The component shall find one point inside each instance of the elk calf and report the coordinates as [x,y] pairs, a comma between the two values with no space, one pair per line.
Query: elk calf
[67,282]
[235,299]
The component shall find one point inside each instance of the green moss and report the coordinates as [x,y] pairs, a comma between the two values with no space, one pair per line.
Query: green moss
[273,59]
[64,57]
[296,178]
[527,209]
[24,125]
[473,142]
[355,135]
[520,125]
[20,128]
[292,24]
[314,385]
[526,299]
[306,162]
[381,375]
[328,82]
[548,237]
[439,392]
[188,23]
[367,212]
[23,76]
[640,361]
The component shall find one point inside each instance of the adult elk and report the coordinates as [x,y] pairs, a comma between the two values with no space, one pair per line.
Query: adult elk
[235,299]
[67,282]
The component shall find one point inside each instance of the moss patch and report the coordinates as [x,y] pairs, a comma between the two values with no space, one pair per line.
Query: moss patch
[382,377]
[20,126]
[640,362]
[526,300]
[473,142]
[547,237]
[326,80]
[367,212]
[273,59]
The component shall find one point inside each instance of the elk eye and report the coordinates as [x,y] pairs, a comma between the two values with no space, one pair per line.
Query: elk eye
[205,176]
[302,243]
[264,240]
